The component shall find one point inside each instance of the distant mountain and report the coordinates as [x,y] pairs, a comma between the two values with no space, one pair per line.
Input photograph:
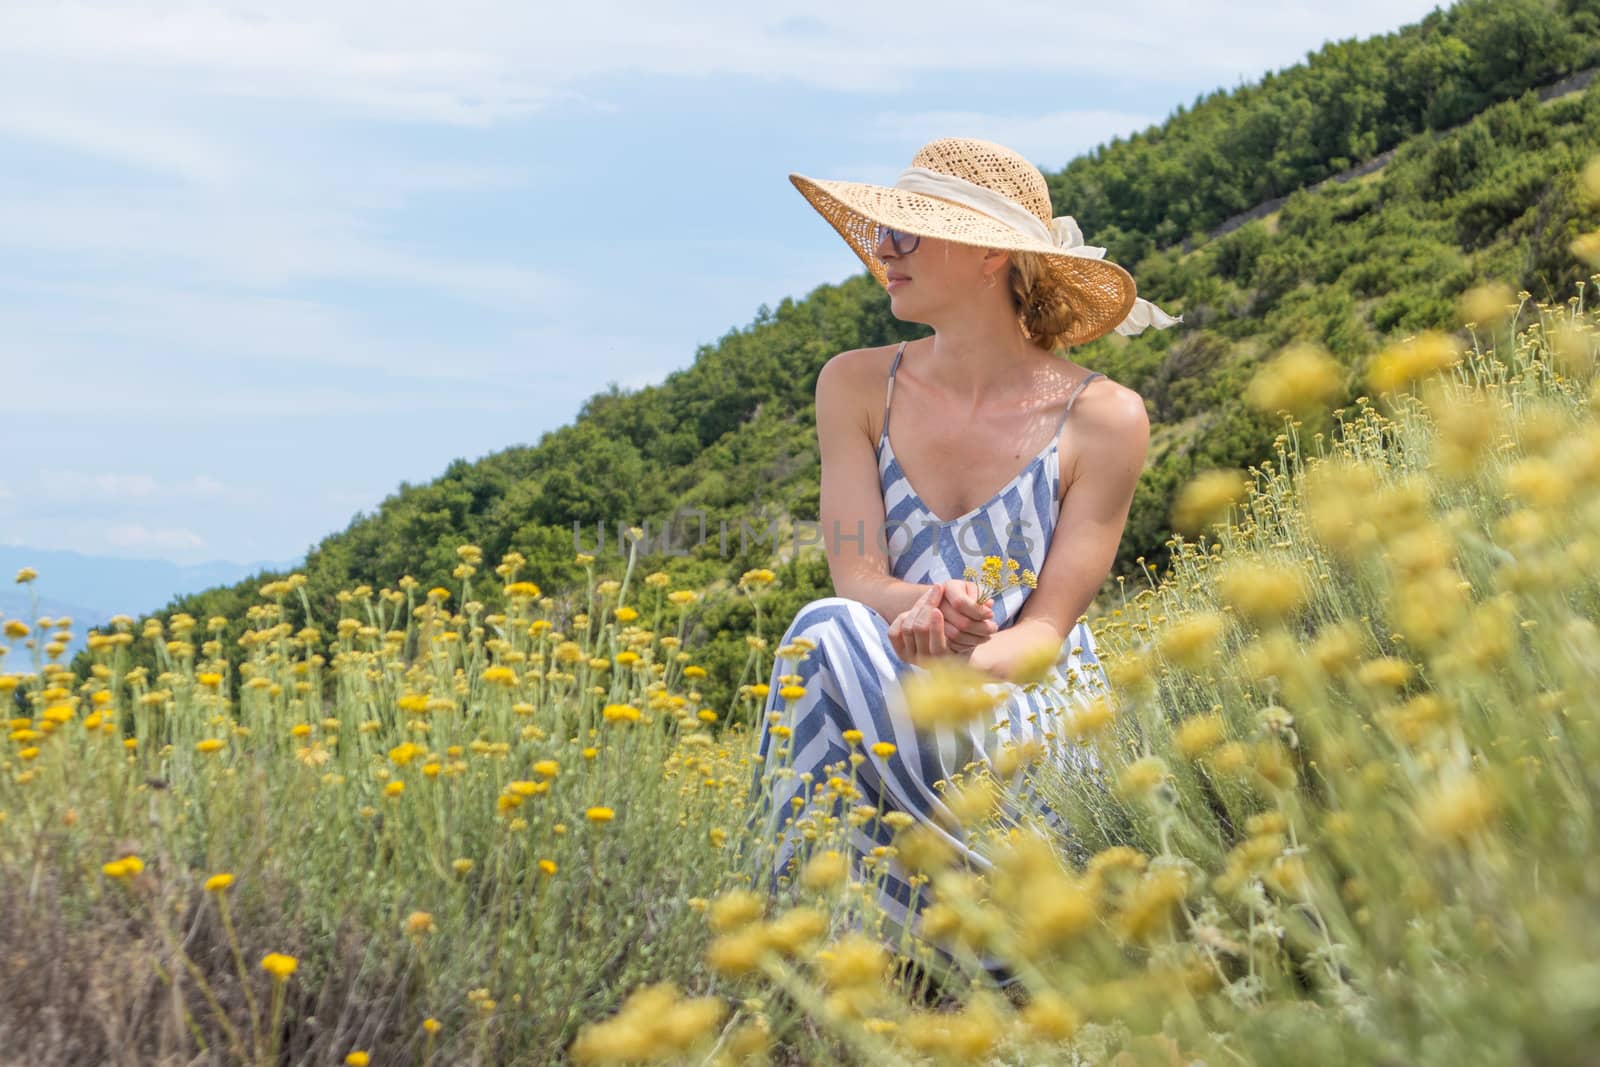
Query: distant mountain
[91,589]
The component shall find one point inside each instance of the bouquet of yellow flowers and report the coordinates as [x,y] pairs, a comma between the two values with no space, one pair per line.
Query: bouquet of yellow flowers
[998,575]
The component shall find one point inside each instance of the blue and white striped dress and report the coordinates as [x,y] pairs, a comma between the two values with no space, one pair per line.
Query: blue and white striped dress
[852,677]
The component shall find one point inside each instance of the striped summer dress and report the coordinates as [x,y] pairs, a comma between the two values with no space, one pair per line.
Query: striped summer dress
[852,677]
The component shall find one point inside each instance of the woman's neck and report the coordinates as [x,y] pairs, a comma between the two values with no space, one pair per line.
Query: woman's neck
[975,357]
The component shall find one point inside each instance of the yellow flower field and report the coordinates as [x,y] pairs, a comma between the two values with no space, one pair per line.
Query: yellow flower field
[1341,806]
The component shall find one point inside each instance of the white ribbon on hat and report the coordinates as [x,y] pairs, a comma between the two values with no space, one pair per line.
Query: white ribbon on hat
[1063,231]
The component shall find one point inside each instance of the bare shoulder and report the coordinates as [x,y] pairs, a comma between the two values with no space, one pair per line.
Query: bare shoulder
[1112,427]
[858,366]
[849,380]
[1111,408]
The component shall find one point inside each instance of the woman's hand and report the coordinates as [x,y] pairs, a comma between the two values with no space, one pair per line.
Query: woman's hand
[1026,652]
[947,621]
[917,633]
[967,623]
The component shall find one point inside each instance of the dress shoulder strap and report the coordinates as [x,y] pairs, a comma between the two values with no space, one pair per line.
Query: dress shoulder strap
[1073,399]
[889,393]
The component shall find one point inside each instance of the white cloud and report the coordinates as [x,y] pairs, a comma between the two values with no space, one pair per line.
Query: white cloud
[240,104]
[480,61]
[161,149]
[76,485]
[543,371]
[70,485]
[269,245]
[138,535]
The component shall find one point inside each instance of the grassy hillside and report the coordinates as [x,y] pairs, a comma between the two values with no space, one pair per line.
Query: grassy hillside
[1342,808]
[1346,265]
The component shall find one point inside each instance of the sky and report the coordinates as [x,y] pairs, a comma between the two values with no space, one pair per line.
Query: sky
[261,264]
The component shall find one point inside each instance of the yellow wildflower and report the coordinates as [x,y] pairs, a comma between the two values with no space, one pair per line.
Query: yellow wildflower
[1140,778]
[1048,1017]
[734,910]
[404,753]
[279,965]
[1486,305]
[1455,811]
[126,867]
[1190,641]
[502,676]
[1261,590]
[853,962]
[795,928]
[620,713]
[825,870]
[948,693]
[1401,364]
[1301,379]
[1149,905]
[1092,718]
[1384,672]
[1206,499]
[1199,734]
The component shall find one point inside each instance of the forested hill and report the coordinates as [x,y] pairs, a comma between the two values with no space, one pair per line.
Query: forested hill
[1482,186]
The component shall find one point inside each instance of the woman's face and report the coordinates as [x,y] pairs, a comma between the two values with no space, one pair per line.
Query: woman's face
[933,276]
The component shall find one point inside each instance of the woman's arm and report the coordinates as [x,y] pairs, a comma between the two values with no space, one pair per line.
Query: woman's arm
[1115,435]
[851,507]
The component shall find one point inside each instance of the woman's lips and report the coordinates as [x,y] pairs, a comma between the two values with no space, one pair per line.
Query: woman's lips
[895,280]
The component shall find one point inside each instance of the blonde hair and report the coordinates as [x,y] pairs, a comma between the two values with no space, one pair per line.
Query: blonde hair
[1046,310]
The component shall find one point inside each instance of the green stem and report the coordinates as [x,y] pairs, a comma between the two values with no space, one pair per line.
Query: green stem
[244,975]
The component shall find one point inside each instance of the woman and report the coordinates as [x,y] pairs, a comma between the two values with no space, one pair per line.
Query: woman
[965,242]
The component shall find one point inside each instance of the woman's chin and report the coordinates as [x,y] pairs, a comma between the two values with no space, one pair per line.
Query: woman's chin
[901,308]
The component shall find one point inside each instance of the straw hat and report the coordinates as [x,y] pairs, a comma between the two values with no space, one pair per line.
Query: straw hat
[979,193]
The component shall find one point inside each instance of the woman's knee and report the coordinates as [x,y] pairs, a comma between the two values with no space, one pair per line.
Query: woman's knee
[821,611]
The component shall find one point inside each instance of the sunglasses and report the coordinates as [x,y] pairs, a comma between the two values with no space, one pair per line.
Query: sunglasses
[904,243]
